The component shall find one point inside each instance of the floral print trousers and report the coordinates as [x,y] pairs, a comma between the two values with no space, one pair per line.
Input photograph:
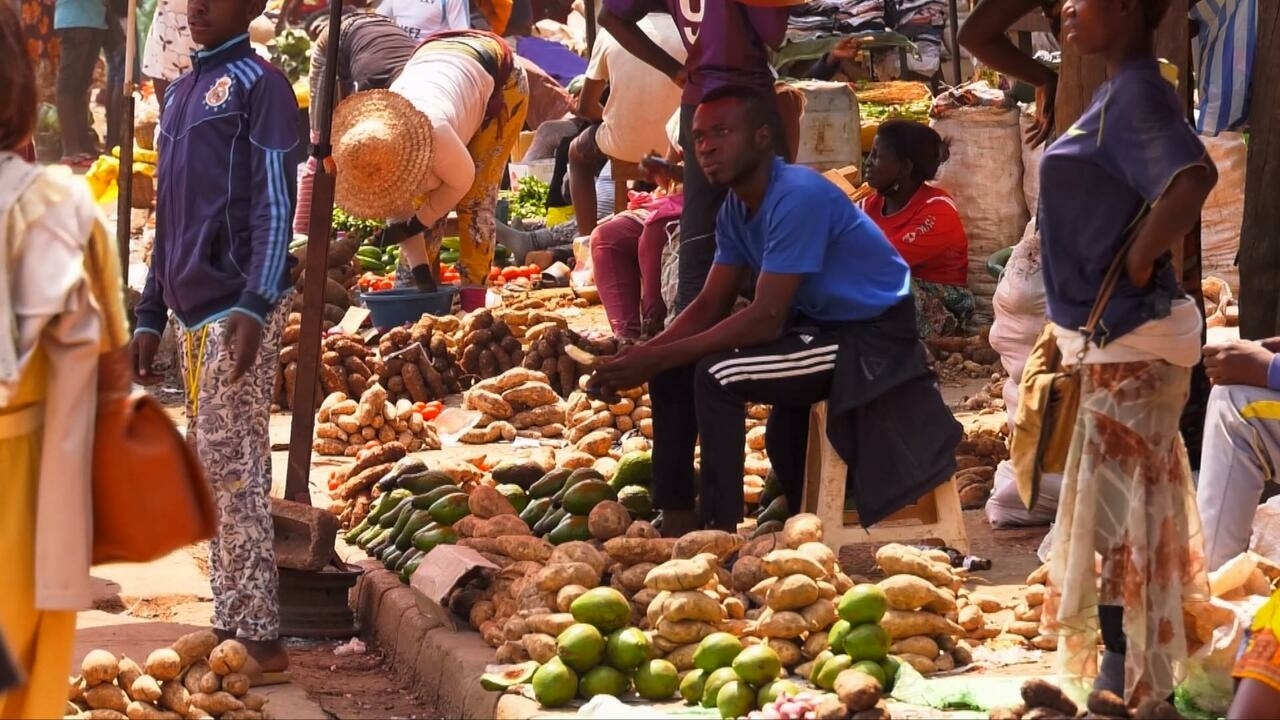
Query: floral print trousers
[228,428]
[1127,496]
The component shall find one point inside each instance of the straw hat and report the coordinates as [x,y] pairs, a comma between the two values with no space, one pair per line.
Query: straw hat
[382,148]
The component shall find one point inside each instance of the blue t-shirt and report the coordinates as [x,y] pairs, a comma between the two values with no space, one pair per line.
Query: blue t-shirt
[1095,181]
[69,14]
[807,226]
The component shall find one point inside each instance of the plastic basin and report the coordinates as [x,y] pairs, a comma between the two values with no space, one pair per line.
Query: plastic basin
[393,308]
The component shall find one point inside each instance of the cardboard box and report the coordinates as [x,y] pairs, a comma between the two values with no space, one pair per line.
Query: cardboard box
[440,572]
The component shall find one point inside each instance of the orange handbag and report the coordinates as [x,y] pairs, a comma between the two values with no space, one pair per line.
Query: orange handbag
[150,496]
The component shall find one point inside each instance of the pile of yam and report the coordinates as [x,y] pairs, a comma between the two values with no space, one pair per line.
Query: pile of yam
[548,352]
[517,402]
[196,678]
[346,427]
[418,362]
[594,425]
[977,456]
[924,613]
[487,347]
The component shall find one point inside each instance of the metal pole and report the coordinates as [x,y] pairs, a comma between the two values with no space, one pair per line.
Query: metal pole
[954,11]
[315,269]
[124,179]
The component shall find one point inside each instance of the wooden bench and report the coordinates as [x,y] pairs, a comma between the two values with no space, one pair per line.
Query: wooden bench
[936,517]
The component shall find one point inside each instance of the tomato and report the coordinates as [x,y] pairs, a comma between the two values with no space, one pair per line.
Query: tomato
[383,284]
[334,482]
[534,270]
[430,413]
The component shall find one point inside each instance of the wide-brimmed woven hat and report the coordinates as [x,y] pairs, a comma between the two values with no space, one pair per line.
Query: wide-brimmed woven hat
[382,148]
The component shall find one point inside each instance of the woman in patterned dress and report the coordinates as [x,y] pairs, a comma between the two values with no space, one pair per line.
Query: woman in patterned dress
[1131,166]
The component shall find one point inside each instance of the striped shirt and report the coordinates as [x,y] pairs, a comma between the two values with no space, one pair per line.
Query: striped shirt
[1224,61]
[225,191]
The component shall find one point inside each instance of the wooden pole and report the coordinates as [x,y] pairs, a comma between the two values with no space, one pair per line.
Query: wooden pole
[590,7]
[315,266]
[124,178]
[1260,232]
[953,18]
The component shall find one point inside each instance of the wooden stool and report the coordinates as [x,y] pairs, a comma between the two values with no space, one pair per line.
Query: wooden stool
[623,173]
[937,516]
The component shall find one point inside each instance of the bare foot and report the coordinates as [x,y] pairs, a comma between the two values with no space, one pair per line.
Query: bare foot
[269,655]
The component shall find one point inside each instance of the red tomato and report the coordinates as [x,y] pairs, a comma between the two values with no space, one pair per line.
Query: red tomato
[510,273]
[430,413]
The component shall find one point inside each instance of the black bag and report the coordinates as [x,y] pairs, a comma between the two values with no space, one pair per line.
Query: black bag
[9,675]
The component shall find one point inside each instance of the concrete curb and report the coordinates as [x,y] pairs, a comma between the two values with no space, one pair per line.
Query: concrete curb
[443,665]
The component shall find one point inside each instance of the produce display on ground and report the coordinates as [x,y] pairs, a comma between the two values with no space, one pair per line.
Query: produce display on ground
[196,678]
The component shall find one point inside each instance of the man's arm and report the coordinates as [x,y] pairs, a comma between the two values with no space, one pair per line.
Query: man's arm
[636,42]
[273,133]
[984,35]
[763,321]
[589,105]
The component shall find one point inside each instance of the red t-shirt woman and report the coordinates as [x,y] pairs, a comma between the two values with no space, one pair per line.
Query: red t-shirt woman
[922,223]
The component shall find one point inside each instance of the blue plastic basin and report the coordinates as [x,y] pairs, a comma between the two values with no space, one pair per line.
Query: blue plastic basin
[393,308]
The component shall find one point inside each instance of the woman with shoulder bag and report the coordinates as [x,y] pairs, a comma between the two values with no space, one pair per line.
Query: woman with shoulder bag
[1120,188]
[56,312]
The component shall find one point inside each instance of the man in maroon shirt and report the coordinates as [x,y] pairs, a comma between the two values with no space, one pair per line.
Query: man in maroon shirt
[728,44]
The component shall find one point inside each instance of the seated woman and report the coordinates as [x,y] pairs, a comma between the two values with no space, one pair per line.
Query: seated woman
[626,250]
[921,222]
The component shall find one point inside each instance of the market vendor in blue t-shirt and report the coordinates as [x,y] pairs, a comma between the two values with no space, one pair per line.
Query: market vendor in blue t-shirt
[832,320]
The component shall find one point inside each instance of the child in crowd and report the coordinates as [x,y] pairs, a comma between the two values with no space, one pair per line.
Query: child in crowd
[221,264]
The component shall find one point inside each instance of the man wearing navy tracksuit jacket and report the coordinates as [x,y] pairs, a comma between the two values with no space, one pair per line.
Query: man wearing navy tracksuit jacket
[223,223]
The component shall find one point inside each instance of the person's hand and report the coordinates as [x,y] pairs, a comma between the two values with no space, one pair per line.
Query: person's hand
[1042,128]
[680,78]
[846,49]
[142,353]
[632,367]
[657,170]
[1240,362]
[242,337]
[1139,269]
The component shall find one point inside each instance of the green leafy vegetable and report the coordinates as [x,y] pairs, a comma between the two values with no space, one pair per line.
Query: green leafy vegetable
[529,200]
[354,227]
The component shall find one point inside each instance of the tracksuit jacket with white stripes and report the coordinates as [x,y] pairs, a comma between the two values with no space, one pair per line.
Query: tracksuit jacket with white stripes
[225,191]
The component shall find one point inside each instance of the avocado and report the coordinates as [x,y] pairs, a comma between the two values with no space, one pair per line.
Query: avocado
[391,518]
[425,481]
[509,676]
[777,510]
[637,501]
[635,468]
[404,466]
[586,495]
[350,536]
[417,519]
[427,539]
[385,503]
[577,476]
[525,474]
[514,495]
[535,510]
[550,484]
[427,499]
[550,520]
[449,510]
[572,527]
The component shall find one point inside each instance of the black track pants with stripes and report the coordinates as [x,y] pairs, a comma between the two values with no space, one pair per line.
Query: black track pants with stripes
[709,401]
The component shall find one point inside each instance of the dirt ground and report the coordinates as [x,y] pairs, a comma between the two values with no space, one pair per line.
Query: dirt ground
[354,686]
